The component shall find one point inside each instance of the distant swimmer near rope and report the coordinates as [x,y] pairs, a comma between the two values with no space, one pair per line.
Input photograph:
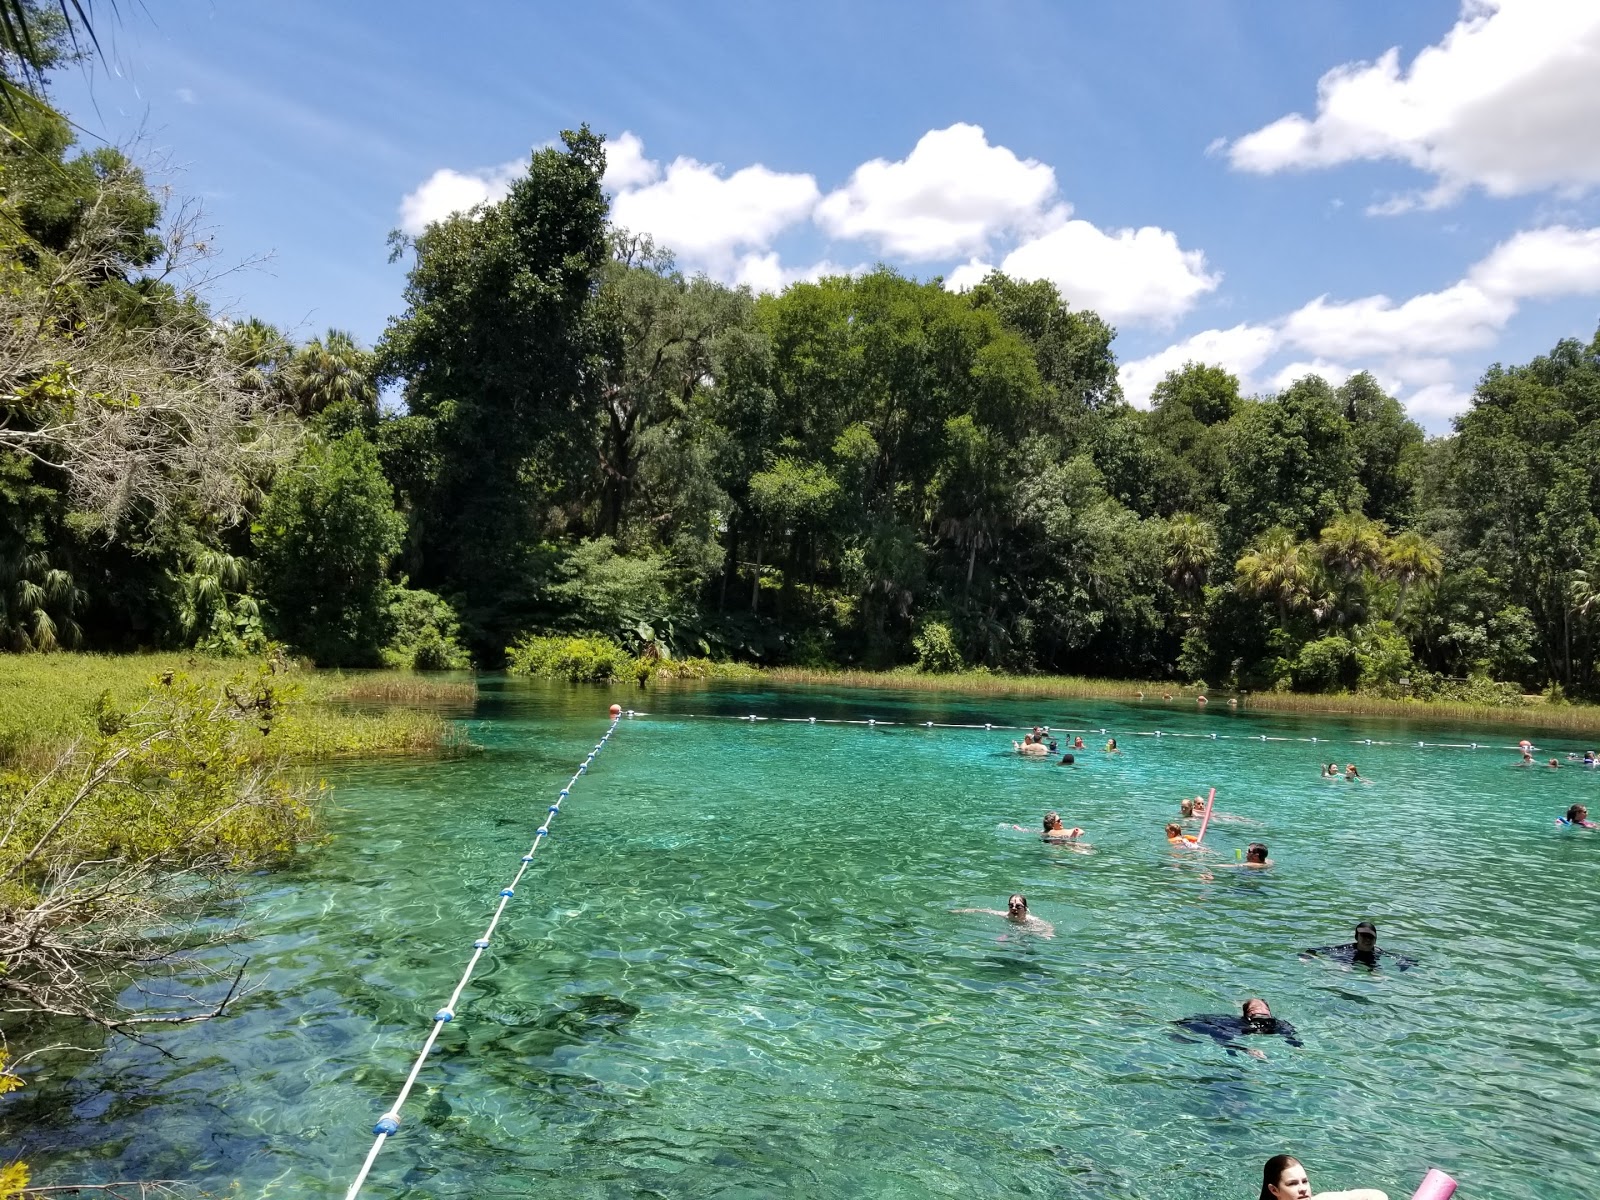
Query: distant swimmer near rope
[1255,1020]
[1283,1178]
[1363,952]
[1017,913]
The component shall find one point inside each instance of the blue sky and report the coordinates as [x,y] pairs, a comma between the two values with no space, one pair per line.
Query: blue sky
[1424,214]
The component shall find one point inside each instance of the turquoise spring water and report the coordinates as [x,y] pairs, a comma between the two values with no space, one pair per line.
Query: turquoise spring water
[734,971]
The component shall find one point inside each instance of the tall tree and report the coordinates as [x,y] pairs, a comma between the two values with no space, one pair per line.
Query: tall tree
[500,348]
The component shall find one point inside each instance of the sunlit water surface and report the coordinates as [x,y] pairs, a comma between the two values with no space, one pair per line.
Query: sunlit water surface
[734,970]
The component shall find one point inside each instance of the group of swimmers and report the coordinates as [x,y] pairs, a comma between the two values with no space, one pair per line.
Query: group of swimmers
[1331,771]
[1283,1177]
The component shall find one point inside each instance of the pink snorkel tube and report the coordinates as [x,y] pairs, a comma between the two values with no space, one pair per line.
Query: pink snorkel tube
[1206,820]
[1436,1185]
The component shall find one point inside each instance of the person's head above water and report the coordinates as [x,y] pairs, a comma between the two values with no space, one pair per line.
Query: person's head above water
[1256,1014]
[1577,814]
[1017,907]
[1283,1178]
[1052,821]
[1066,760]
[1174,829]
[1366,937]
[1186,807]
[1256,852]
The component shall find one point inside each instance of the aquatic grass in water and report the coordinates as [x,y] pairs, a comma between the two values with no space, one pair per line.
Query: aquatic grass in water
[734,971]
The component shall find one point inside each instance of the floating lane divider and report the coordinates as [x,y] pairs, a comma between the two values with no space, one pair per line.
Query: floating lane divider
[389,1124]
[874,723]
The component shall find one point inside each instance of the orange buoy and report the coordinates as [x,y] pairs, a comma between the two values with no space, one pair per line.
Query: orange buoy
[616,710]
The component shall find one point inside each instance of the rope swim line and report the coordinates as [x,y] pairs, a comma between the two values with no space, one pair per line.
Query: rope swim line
[874,723]
[389,1124]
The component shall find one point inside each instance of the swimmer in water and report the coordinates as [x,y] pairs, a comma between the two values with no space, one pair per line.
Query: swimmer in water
[1554,765]
[1577,818]
[1187,810]
[1363,952]
[1055,830]
[1255,1020]
[1589,758]
[1255,857]
[1030,747]
[1177,837]
[1111,747]
[1066,761]
[1352,774]
[1077,743]
[1331,771]
[1283,1178]
[1017,913]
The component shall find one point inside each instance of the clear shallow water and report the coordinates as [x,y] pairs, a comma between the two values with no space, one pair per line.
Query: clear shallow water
[734,971]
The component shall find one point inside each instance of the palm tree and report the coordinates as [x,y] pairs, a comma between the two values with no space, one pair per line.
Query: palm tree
[37,603]
[1351,544]
[1191,549]
[328,371]
[1410,559]
[1276,567]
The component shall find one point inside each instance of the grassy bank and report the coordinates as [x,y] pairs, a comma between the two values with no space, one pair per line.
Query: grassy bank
[48,700]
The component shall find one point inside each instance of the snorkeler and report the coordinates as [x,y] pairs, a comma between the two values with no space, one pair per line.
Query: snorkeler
[1363,952]
[1283,1178]
[1577,818]
[1255,856]
[1255,1020]
[1017,913]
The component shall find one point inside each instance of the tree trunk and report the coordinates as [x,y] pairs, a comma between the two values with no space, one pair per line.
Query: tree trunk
[755,582]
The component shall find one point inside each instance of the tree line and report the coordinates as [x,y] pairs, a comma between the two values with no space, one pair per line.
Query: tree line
[564,433]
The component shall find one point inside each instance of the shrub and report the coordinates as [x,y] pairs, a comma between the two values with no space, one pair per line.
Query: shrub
[1323,665]
[426,633]
[1383,656]
[937,652]
[579,659]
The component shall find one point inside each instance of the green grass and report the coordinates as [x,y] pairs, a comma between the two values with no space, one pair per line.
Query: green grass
[47,700]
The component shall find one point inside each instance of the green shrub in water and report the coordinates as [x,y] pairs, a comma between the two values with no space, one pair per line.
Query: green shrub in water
[579,659]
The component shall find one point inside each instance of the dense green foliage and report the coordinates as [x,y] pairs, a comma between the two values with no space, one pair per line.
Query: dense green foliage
[862,471]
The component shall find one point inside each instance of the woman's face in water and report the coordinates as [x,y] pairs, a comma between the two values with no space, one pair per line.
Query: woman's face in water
[1292,1184]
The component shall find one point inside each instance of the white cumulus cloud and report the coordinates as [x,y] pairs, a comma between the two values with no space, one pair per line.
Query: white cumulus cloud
[1124,275]
[1507,101]
[1240,350]
[1542,263]
[706,218]
[1407,344]
[766,273]
[949,196]
[447,191]
[626,165]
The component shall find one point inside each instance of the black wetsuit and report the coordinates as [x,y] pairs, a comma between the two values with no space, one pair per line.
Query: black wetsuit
[1349,955]
[1225,1029]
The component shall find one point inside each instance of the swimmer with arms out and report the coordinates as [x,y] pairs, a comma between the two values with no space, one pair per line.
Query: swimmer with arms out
[1577,818]
[1255,1020]
[1363,952]
[1283,1178]
[1017,913]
